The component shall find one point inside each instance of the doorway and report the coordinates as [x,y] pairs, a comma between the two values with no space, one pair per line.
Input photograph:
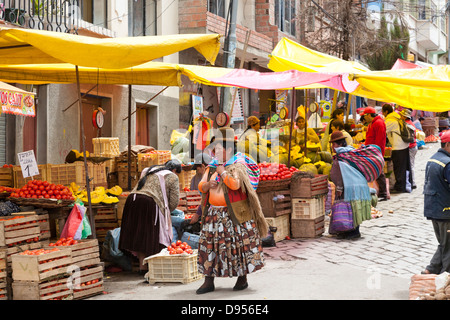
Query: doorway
[147,125]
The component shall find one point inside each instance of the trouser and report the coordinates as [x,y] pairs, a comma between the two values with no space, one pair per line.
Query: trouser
[412,160]
[382,189]
[401,163]
[440,262]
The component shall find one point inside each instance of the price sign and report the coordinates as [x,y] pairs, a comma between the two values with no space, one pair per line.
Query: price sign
[28,164]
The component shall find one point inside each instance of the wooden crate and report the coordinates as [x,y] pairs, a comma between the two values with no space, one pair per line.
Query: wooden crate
[85,253]
[10,251]
[309,208]
[193,200]
[20,181]
[106,147]
[274,208]
[41,267]
[44,225]
[304,186]
[105,220]
[175,268]
[6,177]
[65,174]
[55,289]
[283,226]
[158,157]
[123,167]
[307,228]
[88,282]
[123,179]
[185,178]
[3,290]
[18,230]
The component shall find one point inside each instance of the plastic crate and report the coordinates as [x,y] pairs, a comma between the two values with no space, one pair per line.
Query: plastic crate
[157,157]
[65,174]
[283,227]
[175,268]
[106,147]
[308,208]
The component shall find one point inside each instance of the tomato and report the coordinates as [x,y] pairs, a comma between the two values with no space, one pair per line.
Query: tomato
[178,242]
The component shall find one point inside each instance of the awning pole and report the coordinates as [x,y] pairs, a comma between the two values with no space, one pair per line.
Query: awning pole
[293,104]
[129,136]
[83,142]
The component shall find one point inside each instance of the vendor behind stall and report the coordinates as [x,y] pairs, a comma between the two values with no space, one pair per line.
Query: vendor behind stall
[252,144]
[298,135]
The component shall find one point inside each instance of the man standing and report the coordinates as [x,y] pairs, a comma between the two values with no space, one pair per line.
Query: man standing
[405,114]
[437,204]
[400,149]
[376,134]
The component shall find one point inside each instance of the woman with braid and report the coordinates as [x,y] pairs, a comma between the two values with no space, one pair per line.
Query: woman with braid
[146,224]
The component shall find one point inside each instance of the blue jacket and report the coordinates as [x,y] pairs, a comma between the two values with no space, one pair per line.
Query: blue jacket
[437,187]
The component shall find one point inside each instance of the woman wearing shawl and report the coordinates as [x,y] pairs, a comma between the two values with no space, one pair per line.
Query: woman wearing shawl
[232,222]
[351,186]
[146,224]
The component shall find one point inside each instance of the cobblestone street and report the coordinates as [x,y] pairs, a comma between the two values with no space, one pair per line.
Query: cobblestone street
[379,265]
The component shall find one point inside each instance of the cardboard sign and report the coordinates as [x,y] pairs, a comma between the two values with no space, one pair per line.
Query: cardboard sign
[28,164]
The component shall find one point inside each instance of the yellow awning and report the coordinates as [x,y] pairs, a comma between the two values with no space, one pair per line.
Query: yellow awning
[426,89]
[28,46]
[289,55]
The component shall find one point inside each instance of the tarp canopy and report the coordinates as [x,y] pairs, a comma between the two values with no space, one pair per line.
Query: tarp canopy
[402,64]
[166,74]
[426,89]
[28,46]
[290,55]
[16,101]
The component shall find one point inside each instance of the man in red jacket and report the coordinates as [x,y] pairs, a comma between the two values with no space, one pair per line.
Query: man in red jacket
[376,134]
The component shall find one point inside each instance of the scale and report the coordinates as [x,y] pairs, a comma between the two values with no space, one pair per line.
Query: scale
[222,119]
[284,113]
[98,119]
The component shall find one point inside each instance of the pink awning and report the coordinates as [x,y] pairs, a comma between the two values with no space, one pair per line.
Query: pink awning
[402,64]
[283,80]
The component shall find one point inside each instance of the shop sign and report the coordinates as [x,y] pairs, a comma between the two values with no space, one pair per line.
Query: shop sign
[17,103]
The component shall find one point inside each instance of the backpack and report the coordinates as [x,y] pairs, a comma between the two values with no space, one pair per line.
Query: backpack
[407,131]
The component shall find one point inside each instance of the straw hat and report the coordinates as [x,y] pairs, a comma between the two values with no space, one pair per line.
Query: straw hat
[251,121]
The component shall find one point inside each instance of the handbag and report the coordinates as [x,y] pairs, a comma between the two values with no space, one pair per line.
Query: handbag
[341,217]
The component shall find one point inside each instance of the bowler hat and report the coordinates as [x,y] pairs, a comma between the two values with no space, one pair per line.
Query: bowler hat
[336,136]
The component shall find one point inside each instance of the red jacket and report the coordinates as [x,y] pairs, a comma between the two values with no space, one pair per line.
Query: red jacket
[376,133]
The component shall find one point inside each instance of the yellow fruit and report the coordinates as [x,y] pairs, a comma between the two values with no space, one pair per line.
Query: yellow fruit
[115,191]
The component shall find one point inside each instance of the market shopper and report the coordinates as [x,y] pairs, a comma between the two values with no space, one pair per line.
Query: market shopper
[201,161]
[376,134]
[400,149]
[146,226]
[232,223]
[351,187]
[437,204]
[405,114]
[337,114]
[338,125]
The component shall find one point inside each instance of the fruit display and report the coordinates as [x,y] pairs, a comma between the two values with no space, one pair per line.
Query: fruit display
[98,195]
[38,252]
[37,189]
[8,166]
[179,248]
[431,138]
[275,171]
[8,207]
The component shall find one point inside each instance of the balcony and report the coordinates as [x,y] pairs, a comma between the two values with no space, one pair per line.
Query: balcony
[427,34]
[52,15]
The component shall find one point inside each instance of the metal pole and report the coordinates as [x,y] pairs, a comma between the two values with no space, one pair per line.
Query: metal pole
[129,136]
[83,142]
[230,54]
[293,104]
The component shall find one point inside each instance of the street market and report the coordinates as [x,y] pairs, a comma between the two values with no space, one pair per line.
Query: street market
[301,153]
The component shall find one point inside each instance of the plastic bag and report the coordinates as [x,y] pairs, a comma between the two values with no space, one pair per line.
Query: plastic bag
[73,224]
[86,231]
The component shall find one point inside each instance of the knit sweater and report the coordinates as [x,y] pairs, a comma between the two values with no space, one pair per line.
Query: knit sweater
[152,188]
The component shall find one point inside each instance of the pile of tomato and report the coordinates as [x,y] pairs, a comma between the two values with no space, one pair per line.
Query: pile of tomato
[38,189]
[6,189]
[180,247]
[69,241]
[275,171]
[37,252]
[7,166]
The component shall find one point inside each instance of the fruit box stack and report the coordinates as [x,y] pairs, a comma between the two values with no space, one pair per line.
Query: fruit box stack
[3,284]
[193,199]
[308,205]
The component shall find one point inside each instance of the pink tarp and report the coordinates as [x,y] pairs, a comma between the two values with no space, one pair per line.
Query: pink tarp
[284,80]
[402,64]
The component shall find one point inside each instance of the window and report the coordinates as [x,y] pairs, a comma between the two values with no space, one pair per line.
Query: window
[95,12]
[285,15]
[143,18]
[421,10]
[217,7]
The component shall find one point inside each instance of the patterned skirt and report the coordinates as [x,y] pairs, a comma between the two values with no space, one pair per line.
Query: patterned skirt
[226,249]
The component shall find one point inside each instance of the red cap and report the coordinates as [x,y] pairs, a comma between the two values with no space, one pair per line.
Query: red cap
[445,137]
[368,110]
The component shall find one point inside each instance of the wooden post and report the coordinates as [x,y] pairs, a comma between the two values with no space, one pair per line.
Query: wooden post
[83,142]
[129,136]
[293,104]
